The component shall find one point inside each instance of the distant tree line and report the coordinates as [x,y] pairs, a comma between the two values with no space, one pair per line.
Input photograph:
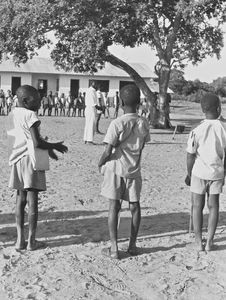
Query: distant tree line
[193,90]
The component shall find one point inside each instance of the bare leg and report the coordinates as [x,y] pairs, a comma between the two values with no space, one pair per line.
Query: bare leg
[20,206]
[135,224]
[97,123]
[32,199]
[213,205]
[116,113]
[114,208]
[198,205]
[108,113]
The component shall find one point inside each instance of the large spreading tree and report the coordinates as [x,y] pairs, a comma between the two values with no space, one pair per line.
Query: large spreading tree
[178,30]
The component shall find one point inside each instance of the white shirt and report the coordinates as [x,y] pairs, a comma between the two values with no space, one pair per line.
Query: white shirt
[100,98]
[19,123]
[105,100]
[208,142]
[127,134]
[91,98]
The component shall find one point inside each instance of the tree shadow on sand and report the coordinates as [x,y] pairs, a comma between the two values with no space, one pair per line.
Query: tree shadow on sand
[80,227]
[188,123]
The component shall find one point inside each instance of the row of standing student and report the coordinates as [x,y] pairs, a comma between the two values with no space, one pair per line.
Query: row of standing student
[60,105]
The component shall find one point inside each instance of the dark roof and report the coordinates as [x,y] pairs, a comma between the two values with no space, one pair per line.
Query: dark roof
[46,66]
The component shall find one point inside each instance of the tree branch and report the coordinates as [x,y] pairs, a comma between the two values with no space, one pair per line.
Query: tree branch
[178,60]
[117,62]
[172,37]
[157,40]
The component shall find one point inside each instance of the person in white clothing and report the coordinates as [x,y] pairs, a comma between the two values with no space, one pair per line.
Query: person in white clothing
[90,113]
[120,165]
[68,105]
[206,168]
[23,129]
[106,105]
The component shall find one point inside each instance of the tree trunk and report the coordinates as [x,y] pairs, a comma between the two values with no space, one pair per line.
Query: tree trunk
[164,108]
[139,81]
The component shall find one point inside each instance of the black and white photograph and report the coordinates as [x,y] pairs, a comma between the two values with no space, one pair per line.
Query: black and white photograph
[112,149]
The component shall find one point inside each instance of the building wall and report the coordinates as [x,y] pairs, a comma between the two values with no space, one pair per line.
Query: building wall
[51,81]
[64,81]
[6,79]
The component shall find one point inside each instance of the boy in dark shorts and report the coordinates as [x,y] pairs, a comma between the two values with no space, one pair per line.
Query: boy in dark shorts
[26,177]
[206,168]
[120,164]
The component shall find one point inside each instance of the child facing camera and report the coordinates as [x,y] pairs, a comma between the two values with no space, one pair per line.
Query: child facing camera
[206,168]
[120,164]
[26,177]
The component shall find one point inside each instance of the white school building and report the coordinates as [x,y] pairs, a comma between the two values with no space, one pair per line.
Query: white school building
[43,75]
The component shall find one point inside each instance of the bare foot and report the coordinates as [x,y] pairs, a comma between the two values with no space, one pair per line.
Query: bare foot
[210,246]
[35,245]
[132,250]
[195,247]
[20,245]
[109,253]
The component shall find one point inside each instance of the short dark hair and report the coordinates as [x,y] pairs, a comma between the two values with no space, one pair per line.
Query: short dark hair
[130,95]
[210,102]
[24,91]
[93,82]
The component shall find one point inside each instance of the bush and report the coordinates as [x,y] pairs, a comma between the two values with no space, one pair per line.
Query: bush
[221,91]
[178,97]
[196,97]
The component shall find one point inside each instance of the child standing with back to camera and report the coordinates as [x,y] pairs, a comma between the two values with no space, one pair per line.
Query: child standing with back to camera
[120,164]
[23,130]
[206,168]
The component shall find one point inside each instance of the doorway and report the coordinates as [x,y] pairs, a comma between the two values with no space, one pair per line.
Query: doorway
[42,87]
[103,85]
[74,88]
[16,83]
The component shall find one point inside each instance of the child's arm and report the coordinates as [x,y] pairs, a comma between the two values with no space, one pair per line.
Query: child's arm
[224,165]
[39,142]
[190,164]
[106,155]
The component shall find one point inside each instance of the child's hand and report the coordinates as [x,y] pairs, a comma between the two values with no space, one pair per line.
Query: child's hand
[60,147]
[52,154]
[188,180]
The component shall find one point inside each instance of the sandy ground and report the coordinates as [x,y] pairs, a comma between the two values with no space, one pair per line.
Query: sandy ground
[73,223]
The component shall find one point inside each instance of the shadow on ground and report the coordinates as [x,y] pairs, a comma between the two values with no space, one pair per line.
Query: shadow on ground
[80,227]
[188,123]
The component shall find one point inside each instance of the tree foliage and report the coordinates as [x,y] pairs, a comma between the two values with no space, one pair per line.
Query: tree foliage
[177,81]
[178,30]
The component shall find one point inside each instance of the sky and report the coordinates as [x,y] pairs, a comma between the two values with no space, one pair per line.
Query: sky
[211,68]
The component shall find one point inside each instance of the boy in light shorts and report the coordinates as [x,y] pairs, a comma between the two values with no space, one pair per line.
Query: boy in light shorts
[206,168]
[120,164]
[23,130]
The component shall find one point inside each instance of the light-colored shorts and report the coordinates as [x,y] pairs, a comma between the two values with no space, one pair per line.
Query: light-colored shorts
[23,176]
[201,186]
[119,188]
